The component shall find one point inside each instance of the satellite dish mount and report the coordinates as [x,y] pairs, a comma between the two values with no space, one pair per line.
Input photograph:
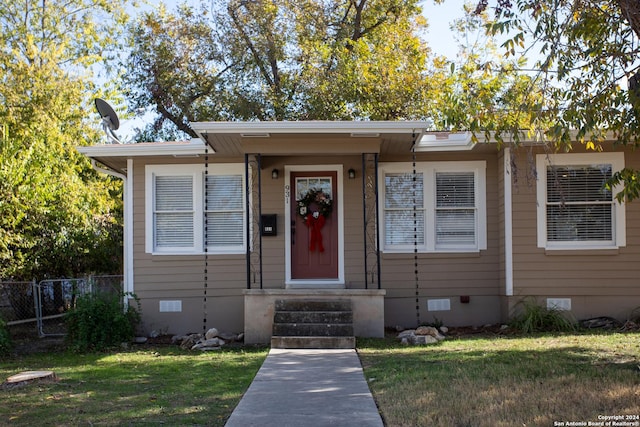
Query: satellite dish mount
[110,121]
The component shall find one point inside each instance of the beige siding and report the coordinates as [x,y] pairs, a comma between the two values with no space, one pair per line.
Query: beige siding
[182,278]
[173,277]
[448,276]
[599,282]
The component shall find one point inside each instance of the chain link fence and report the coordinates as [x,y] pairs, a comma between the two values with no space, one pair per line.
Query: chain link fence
[17,303]
[43,304]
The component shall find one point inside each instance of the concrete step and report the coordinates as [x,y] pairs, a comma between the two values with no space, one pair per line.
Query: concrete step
[313,317]
[313,342]
[312,305]
[313,324]
[313,329]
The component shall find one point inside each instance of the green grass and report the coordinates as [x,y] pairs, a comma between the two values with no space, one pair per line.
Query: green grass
[471,381]
[164,385]
[505,381]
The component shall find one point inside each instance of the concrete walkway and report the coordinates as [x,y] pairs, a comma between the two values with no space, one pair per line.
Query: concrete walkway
[308,388]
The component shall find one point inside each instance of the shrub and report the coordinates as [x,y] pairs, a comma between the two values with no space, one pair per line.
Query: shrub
[100,320]
[532,317]
[5,339]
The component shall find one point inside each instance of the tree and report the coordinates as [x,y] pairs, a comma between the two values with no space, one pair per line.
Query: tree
[55,214]
[480,91]
[588,54]
[312,60]
[279,60]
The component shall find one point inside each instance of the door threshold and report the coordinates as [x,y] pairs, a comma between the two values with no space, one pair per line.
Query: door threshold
[314,285]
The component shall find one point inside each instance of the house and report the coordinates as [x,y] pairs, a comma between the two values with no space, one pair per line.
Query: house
[410,226]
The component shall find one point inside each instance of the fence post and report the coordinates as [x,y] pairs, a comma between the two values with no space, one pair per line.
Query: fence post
[37,301]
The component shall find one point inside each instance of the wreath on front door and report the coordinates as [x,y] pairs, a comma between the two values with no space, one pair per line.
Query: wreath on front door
[315,219]
[319,199]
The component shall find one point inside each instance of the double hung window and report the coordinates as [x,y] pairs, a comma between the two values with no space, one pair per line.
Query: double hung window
[575,207]
[436,207]
[187,212]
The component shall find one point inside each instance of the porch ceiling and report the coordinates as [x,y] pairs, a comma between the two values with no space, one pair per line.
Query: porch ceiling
[309,137]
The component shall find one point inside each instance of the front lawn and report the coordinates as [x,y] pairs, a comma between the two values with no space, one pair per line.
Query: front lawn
[506,381]
[152,386]
[541,380]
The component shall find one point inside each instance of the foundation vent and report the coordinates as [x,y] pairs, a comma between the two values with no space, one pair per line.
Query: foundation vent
[439,304]
[171,306]
[563,304]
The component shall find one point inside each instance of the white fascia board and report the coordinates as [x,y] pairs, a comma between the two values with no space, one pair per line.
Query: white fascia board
[309,127]
[195,147]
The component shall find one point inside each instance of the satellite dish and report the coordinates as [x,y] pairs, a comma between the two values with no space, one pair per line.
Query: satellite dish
[110,120]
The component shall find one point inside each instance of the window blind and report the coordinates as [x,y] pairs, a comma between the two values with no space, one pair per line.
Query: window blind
[399,209]
[174,213]
[225,210]
[455,208]
[579,207]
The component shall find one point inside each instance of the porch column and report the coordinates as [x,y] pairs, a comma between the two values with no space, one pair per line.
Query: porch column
[371,218]
[253,220]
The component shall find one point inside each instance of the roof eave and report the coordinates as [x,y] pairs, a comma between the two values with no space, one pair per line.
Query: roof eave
[193,148]
[357,128]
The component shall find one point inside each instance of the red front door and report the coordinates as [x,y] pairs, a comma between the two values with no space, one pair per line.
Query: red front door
[314,238]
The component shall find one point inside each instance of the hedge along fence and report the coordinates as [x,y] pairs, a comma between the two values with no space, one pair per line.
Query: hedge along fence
[45,302]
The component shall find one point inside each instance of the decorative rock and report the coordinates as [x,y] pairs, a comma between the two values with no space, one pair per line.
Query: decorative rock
[211,333]
[240,337]
[228,336]
[190,340]
[404,341]
[208,344]
[140,340]
[154,334]
[426,330]
[406,334]
[630,325]
[213,342]
[429,331]
[425,339]
[504,327]
[409,336]
[444,329]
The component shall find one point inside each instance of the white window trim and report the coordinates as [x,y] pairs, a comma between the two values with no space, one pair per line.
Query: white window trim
[616,160]
[429,170]
[197,173]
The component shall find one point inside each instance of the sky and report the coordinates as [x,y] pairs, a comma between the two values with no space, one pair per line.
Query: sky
[439,38]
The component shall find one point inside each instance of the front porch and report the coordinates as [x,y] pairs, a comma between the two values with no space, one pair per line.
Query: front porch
[259,309]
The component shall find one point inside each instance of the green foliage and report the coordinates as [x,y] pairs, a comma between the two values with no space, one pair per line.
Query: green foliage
[57,216]
[586,70]
[309,60]
[5,339]
[629,181]
[531,317]
[481,90]
[437,323]
[100,320]
[278,60]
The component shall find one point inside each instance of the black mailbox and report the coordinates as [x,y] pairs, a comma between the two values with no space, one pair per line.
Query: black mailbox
[269,224]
